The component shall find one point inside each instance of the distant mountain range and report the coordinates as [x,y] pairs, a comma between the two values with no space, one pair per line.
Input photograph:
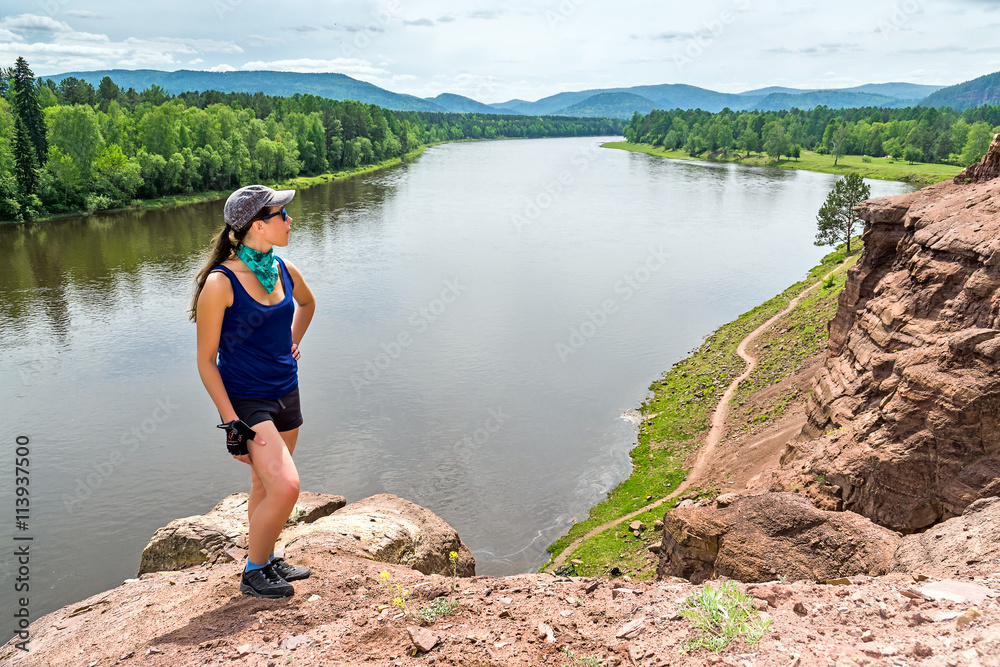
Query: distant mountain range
[984,90]
[603,103]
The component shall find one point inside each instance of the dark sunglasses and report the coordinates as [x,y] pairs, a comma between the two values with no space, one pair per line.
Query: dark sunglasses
[282,213]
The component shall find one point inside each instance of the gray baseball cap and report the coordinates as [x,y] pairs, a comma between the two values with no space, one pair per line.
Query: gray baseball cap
[245,203]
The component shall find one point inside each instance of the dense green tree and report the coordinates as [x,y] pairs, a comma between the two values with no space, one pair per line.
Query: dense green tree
[27,107]
[977,142]
[107,92]
[837,218]
[26,166]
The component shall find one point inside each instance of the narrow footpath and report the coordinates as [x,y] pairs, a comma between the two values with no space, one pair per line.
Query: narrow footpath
[715,433]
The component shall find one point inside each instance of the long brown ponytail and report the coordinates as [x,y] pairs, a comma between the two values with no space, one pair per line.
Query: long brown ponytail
[223,249]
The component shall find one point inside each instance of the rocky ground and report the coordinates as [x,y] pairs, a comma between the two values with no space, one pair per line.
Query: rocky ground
[343,616]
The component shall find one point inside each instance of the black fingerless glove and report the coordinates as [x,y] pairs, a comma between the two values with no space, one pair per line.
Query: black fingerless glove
[238,434]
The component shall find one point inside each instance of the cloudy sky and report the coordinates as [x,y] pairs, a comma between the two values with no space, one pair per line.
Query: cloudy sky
[519,49]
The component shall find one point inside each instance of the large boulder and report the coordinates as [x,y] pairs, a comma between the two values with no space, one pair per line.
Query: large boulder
[764,537]
[208,537]
[966,545]
[388,529]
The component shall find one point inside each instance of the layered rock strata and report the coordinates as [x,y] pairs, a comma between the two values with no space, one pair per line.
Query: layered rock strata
[904,418]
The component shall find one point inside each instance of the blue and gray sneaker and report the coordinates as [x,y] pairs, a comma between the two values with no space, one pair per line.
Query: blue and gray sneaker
[290,572]
[265,583]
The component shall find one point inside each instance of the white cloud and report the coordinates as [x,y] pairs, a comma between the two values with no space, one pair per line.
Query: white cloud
[349,66]
[196,61]
[53,46]
[34,23]
[222,68]
[260,40]
[84,14]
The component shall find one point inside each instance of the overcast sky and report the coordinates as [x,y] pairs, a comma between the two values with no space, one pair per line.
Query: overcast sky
[518,49]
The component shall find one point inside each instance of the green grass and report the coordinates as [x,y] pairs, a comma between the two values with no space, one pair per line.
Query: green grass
[719,615]
[780,351]
[676,415]
[439,607]
[881,168]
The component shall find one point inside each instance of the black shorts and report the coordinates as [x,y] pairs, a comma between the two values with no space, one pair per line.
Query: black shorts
[285,412]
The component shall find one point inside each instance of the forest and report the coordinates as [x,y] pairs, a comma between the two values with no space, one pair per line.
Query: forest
[914,134]
[71,147]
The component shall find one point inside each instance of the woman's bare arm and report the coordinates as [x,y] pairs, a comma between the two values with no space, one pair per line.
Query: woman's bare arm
[306,305]
[216,296]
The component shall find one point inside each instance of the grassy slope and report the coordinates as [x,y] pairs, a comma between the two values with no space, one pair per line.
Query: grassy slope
[885,169]
[679,411]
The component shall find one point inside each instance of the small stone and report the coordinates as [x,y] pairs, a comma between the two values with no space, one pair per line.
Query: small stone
[922,650]
[632,629]
[621,592]
[153,649]
[505,613]
[292,643]
[658,525]
[637,526]
[800,609]
[423,639]
[505,601]
[243,650]
[635,533]
[867,636]
[961,592]
[313,598]
[967,617]
[544,630]
[566,613]
[576,561]
[656,547]
[888,650]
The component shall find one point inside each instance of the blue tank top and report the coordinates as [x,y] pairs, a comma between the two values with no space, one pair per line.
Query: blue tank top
[255,345]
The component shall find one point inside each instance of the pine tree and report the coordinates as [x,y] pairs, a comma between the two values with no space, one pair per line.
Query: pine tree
[837,218]
[28,109]
[25,166]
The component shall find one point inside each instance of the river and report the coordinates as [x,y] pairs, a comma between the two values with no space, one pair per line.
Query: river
[485,315]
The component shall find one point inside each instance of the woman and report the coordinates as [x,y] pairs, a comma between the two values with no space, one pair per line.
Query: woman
[245,316]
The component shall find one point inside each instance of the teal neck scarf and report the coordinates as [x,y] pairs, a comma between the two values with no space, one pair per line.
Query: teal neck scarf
[263,265]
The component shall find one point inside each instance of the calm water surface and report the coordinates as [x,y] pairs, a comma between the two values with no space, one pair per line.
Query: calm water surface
[485,316]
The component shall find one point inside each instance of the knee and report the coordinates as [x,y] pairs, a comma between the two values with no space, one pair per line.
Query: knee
[286,488]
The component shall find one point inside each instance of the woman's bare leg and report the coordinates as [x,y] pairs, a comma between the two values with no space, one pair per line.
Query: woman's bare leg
[257,493]
[272,464]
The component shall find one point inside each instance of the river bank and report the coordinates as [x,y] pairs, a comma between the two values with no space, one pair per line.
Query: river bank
[296,183]
[674,421]
[884,168]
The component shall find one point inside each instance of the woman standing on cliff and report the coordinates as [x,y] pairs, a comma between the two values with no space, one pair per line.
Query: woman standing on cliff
[248,336]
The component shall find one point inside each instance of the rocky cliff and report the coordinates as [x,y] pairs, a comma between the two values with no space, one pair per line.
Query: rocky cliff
[904,416]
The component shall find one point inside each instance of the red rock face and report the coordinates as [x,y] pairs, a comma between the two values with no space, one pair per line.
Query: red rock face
[904,417]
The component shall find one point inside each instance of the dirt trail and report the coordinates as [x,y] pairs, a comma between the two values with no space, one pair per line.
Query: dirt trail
[715,433]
